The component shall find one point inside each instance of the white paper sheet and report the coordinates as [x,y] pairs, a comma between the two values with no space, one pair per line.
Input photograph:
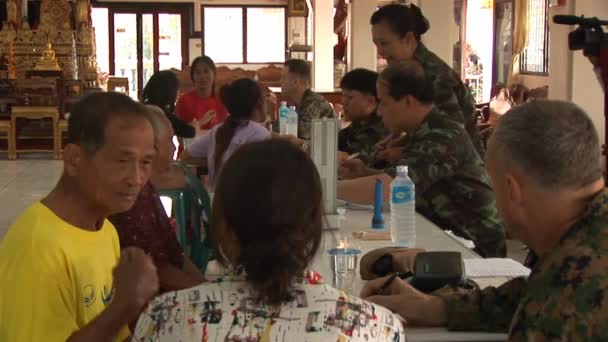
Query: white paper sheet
[494,267]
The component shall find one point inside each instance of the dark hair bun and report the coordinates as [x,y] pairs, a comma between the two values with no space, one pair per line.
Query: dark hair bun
[421,24]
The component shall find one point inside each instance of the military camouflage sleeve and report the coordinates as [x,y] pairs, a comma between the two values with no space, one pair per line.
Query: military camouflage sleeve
[490,309]
[431,160]
[566,296]
[445,97]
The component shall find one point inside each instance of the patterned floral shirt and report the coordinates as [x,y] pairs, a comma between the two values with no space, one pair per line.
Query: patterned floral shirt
[226,310]
[147,226]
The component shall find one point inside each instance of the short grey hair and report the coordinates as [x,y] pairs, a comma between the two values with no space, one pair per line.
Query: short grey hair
[553,142]
[158,118]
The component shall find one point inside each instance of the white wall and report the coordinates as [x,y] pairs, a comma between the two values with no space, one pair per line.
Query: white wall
[361,50]
[571,76]
[560,61]
[444,32]
[585,89]
[323,45]
[534,81]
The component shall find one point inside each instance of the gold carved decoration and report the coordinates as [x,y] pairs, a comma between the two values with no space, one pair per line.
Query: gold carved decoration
[55,15]
[74,49]
[47,61]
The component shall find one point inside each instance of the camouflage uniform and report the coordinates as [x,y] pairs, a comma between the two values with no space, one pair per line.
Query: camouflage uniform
[390,141]
[451,95]
[312,106]
[452,186]
[562,300]
[362,137]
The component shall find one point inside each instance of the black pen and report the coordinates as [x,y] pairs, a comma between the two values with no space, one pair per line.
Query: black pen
[387,283]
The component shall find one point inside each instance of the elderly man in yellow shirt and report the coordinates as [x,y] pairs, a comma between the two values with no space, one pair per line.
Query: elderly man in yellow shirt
[63,277]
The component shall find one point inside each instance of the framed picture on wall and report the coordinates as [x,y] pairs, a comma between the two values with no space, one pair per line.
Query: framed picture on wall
[297,8]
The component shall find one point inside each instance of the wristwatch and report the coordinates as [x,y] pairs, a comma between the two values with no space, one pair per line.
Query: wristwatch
[305,146]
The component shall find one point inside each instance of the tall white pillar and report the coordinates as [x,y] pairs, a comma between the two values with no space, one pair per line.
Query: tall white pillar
[323,45]
[361,49]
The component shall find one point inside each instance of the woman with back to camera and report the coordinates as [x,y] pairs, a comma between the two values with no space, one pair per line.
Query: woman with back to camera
[245,101]
[200,107]
[267,244]
[397,31]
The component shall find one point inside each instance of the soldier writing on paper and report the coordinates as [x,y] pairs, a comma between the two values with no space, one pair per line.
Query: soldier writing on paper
[544,160]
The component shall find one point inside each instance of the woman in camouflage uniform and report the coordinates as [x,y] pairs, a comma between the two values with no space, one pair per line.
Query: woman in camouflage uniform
[396,30]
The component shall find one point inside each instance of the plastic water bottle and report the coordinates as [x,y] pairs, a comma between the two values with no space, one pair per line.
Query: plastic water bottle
[292,122]
[403,209]
[283,114]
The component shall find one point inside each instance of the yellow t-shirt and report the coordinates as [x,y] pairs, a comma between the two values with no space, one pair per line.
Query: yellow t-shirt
[55,278]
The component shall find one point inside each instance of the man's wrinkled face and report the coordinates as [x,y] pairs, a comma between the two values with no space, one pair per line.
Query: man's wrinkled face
[113,176]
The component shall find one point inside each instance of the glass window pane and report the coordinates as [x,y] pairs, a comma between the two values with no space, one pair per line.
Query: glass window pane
[102,39]
[148,46]
[125,49]
[170,41]
[534,59]
[223,32]
[265,35]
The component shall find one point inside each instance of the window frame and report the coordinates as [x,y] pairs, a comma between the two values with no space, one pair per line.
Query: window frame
[523,70]
[186,10]
[244,33]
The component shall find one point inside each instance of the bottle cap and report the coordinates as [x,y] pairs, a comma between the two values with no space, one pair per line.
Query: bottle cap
[402,169]
[283,103]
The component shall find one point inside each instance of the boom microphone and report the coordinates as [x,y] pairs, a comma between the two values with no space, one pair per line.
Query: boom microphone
[575,20]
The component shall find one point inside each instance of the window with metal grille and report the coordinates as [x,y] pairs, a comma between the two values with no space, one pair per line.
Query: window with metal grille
[535,58]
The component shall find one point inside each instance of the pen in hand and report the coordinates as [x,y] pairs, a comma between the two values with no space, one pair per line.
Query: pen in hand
[353,156]
[387,283]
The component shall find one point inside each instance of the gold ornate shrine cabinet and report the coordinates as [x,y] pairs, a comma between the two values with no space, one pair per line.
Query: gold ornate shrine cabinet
[66,25]
[47,67]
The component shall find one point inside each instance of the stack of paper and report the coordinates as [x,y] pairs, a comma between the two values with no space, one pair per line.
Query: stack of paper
[494,267]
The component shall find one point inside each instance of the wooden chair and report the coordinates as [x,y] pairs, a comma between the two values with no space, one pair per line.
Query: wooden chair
[225,75]
[270,76]
[5,126]
[118,84]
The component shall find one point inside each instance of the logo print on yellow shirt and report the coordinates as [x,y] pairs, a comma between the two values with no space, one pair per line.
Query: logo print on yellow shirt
[106,298]
[89,294]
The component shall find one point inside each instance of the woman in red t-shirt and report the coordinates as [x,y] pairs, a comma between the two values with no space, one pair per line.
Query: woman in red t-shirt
[200,106]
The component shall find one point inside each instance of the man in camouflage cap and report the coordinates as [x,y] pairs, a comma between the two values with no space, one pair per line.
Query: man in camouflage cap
[452,186]
[295,86]
[545,163]
[360,101]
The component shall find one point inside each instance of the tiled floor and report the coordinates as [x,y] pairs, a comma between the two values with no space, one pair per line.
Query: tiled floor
[23,182]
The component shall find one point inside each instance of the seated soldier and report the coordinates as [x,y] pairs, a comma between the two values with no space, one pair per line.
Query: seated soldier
[59,261]
[360,101]
[452,186]
[146,224]
[296,84]
[544,159]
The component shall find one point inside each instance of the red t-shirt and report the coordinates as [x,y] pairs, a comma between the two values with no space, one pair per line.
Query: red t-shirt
[190,106]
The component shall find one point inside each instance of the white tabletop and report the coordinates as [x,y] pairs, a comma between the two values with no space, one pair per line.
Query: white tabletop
[428,237]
